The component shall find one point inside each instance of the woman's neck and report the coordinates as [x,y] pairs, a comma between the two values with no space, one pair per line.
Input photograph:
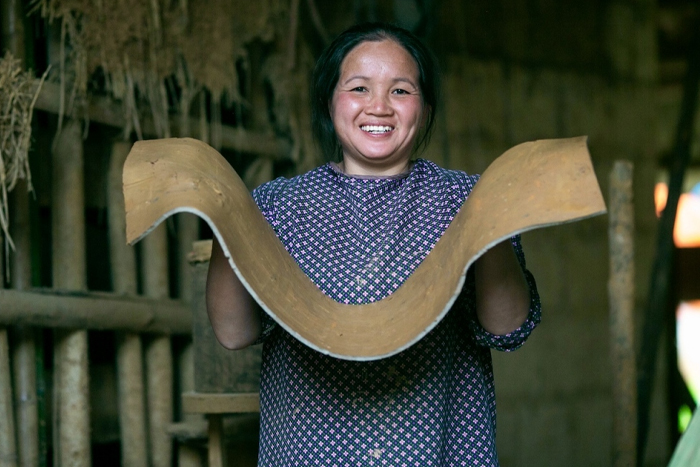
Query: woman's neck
[358,170]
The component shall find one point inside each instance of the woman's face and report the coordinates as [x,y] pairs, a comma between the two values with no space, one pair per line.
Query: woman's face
[377,109]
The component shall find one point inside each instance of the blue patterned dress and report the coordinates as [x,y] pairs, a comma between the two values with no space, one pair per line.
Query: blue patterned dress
[359,239]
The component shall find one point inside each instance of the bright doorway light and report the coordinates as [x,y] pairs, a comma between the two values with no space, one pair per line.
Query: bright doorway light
[688,344]
[688,348]
[686,231]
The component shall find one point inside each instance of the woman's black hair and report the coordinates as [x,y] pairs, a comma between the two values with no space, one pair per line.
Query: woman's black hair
[327,72]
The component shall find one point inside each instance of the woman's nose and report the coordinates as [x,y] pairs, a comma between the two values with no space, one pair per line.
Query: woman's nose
[379,104]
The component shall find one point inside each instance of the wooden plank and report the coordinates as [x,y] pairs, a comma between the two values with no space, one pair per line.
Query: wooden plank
[109,112]
[201,252]
[94,310]
[195,402]
[621,296]
[189,430]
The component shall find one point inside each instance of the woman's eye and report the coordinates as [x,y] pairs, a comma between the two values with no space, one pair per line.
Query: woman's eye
[359,89]
[400,91]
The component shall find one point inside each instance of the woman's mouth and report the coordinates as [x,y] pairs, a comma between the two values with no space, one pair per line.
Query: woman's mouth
[376,129]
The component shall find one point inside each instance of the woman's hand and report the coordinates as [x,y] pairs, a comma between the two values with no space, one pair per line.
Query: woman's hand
[233,313]
[502,293]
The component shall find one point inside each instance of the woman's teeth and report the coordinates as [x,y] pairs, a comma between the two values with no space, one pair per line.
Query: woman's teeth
[376,128]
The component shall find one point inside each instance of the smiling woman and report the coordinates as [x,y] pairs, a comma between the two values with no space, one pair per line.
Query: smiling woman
[358,229]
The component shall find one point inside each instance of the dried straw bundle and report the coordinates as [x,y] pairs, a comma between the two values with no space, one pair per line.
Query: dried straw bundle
[18,93]
[158,54]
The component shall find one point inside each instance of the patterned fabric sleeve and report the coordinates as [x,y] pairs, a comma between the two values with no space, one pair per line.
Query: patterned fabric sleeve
[466,303]
[515,339]
[264,197]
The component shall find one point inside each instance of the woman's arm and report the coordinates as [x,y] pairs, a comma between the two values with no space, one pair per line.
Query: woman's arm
[233,313]
[502,294]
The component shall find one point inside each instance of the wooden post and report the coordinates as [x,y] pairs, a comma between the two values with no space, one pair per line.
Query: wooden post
[217,448]
[159,359]
[71,381]
[132,405]
[621,296]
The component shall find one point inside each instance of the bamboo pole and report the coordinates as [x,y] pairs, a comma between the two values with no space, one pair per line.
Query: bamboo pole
[188,233]
[132,404]
[24,348]
[8,450]
[621,296]
[95,310]
[71,378]
[7,428]
[159,359]
[188,456]
[25,391]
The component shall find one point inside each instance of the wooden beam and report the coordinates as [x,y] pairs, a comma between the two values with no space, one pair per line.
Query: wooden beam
[94,310]
[109,112]
[242,402]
